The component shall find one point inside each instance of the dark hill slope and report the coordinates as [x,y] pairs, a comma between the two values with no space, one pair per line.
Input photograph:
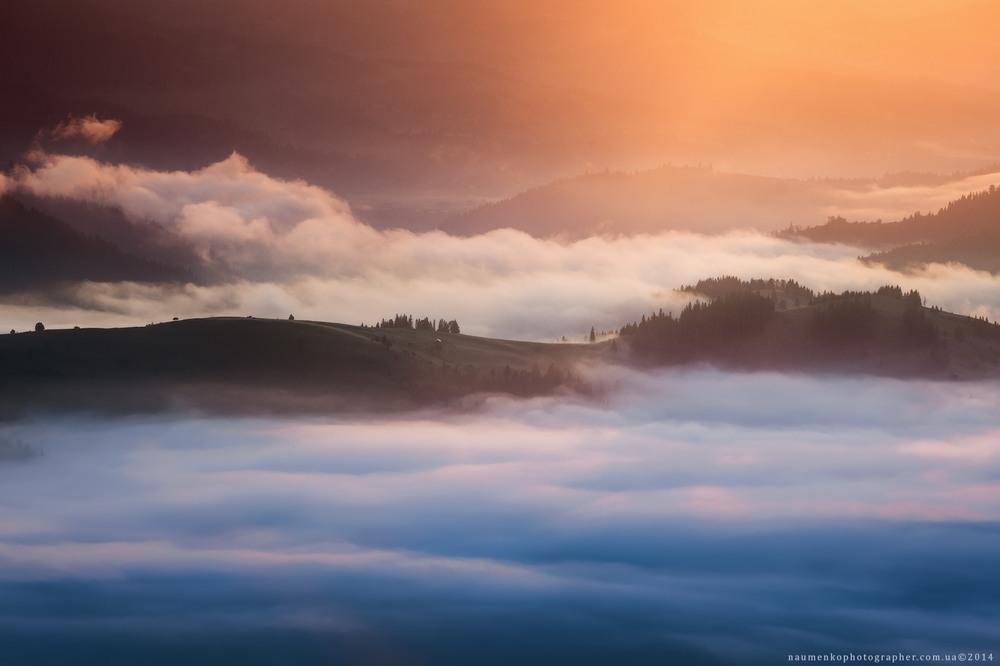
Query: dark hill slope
[38,250]
[234,364]
[966,231]
[883,333]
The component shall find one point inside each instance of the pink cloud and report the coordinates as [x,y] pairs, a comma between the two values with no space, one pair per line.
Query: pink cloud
[301,250]
[88,128]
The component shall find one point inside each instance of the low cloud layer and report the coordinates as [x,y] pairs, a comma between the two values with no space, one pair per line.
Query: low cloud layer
[298,250]
[702,515]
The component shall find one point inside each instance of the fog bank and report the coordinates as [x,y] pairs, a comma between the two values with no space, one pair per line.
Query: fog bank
[700,516]
[296,248]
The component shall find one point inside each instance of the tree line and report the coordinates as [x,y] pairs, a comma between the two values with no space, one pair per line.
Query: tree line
[701,329]
[741,309]
[407,322]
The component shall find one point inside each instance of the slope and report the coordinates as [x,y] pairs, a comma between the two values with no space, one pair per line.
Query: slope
[965,231]
[237,364]
[39,250]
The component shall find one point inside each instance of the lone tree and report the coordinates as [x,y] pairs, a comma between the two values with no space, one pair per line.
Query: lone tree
[39,327]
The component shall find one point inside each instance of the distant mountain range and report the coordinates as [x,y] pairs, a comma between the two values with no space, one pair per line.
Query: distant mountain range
[669,197]
[47,241]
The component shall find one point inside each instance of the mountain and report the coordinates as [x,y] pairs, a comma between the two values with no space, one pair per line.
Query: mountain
[698,199]
[650,201]
[965,231]
[38,250]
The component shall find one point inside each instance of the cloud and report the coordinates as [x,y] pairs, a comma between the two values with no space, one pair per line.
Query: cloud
[298,249]
[89,128]
[695,513]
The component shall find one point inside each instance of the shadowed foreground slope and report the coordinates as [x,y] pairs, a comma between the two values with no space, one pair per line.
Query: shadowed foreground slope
[266,365]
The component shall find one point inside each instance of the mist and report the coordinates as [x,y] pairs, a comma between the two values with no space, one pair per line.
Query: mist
[694,515]
[296,248]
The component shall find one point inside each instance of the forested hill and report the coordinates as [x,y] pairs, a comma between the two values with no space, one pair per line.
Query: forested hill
[973,214]
[965,231]
[781,325]
[39,250]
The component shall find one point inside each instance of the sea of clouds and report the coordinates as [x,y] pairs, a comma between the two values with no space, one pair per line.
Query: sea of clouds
[691,516]
[295,248]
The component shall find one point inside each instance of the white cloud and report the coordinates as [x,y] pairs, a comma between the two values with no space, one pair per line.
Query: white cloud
[300,251]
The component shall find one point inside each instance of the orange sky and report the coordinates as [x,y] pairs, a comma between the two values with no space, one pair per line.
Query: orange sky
[451,92]
[778,86]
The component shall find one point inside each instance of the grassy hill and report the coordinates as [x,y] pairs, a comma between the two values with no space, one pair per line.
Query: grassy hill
[235,364]
[247,365]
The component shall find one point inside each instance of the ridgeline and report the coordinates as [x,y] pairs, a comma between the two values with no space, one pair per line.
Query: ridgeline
[234,365]
[248,365]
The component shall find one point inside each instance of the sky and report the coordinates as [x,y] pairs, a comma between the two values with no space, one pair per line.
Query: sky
[697,515]
[391,98]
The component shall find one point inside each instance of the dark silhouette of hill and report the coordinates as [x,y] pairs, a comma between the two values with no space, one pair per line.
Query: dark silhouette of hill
[38,250]
[778,324]
[237,364]
[145,239]
[965,231]
[247,365]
